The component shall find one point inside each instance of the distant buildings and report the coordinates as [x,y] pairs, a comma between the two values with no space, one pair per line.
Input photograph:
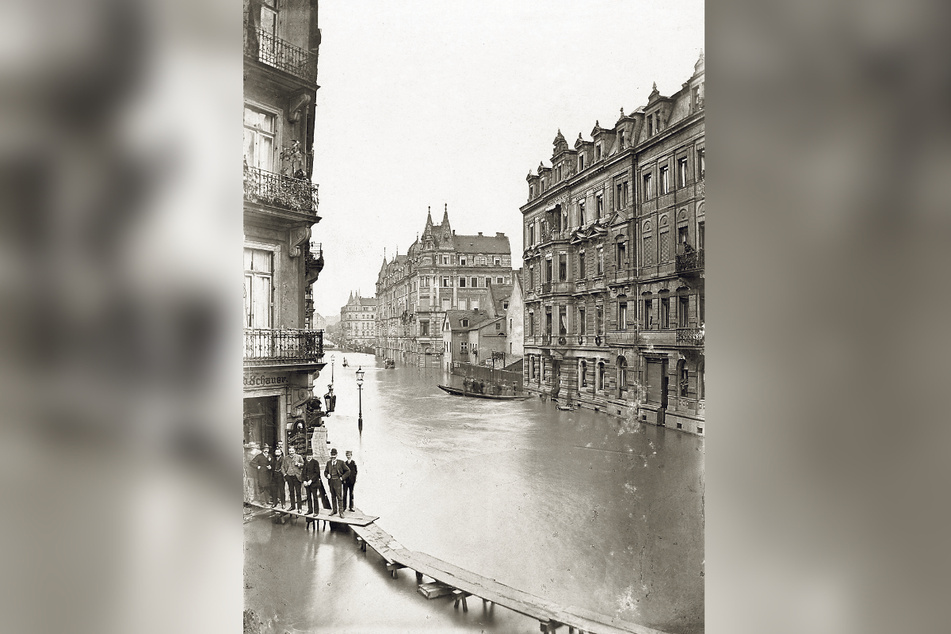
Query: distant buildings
[441,271]
[282,353]
[358,322]
[613,265]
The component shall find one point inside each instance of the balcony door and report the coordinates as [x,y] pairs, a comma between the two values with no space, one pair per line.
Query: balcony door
[258,287]
[260,131]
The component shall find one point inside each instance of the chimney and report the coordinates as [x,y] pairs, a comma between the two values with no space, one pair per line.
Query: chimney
[480,233]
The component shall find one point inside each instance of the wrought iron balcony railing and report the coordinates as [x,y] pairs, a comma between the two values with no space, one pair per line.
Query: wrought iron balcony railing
[277,53]
[692,261]
[690,336]
[268,188]
[265,346]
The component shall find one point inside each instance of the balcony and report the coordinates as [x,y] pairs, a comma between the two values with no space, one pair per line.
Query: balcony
[277,190]
[313,262]
[690,262]
[621,337]
[268,49]
[690,336]
[266,346]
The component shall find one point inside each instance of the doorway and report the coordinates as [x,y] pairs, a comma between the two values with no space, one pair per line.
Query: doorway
[664,384]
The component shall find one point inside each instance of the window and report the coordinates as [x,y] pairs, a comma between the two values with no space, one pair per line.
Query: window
[424,328]
[531,233]
[648,313]
[599,320]
[621,375]
[600,260]
[445,259]
[580,161]
[531,324]
[700,308]
[582,325]
[562,320]
[548,271]
[259,138]
[700,234]
[618,204]
[621,255]
[683,306]
[600,202]
[446,282]
[701,163]
[548,320]
[648,250]
[647,187]
[258,275]
[464,347]
[664,180]
[581,271]
[480,260]
[474,282]
[583,373]
[681,238]
[465,323]
[682,172]
[620,139]
[462,260]
[498,325]
[462,282]
[597,152]
[498,280]
[684,376]
[600,383]
[531,276]
[562,267]
[581,220]
[497,261]
[664,313]
[664,246]
[622,315]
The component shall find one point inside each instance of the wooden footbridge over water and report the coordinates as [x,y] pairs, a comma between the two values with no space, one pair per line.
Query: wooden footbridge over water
[450,580]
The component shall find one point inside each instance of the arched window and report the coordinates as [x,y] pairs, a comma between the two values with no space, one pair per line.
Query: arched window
[701,387]
[582,373]
[683,378]
[600,378]
[621,375]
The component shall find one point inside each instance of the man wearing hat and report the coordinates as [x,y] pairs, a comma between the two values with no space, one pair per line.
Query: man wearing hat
[261,464]
[292,466]
[336,471]
[315,488]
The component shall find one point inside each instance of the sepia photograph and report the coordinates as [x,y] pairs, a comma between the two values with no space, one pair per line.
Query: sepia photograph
[474,313]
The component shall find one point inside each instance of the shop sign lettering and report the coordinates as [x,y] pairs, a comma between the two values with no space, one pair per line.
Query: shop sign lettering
[263,380]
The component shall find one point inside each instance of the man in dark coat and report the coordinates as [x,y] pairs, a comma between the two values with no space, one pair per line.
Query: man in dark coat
[261,464]
[349,481]
[336,471]
[315,488]
[278,490]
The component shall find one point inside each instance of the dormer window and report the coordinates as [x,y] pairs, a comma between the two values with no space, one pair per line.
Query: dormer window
[597,152]
[580,162]
[465,323]
[620,139]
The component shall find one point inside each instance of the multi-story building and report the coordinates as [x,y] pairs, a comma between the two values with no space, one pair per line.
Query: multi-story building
[440,271]
[613,264]
[282,355]
[358,322]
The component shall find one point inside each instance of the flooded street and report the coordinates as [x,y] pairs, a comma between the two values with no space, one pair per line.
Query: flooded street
[576,507]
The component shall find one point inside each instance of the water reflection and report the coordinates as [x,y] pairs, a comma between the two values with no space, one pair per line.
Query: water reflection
[576,507]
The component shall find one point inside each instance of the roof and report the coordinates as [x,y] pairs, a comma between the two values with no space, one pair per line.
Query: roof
[499,243]
[475,317]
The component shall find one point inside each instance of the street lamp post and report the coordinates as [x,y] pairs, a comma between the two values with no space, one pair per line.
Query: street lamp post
[360,395]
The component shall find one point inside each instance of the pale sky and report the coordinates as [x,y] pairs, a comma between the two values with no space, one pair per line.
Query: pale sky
[432,103]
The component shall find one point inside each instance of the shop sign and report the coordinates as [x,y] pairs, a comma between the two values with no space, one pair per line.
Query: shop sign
[264,380]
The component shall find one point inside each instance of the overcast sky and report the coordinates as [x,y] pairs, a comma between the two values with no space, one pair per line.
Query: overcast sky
[432,103]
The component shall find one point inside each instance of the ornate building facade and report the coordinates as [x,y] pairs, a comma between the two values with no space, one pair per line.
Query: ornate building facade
[441,271]
[282,354]
[613,265]
[358,322]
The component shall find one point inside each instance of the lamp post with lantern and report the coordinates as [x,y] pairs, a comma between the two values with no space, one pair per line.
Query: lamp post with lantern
[360,374]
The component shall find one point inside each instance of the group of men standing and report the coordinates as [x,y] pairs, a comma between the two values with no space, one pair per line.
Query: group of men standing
[274,474]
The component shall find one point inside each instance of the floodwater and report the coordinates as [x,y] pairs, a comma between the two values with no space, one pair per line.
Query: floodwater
[578,507]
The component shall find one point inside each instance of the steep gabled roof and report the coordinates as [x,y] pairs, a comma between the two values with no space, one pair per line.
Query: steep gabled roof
[499,243]
[475,317]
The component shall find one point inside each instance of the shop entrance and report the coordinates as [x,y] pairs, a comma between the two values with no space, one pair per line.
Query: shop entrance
[260,420]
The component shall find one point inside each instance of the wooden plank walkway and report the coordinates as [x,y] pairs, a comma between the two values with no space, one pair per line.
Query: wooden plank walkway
[464,583]
[356,518]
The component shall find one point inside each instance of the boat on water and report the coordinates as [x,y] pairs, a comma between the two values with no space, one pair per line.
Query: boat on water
[457,391]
